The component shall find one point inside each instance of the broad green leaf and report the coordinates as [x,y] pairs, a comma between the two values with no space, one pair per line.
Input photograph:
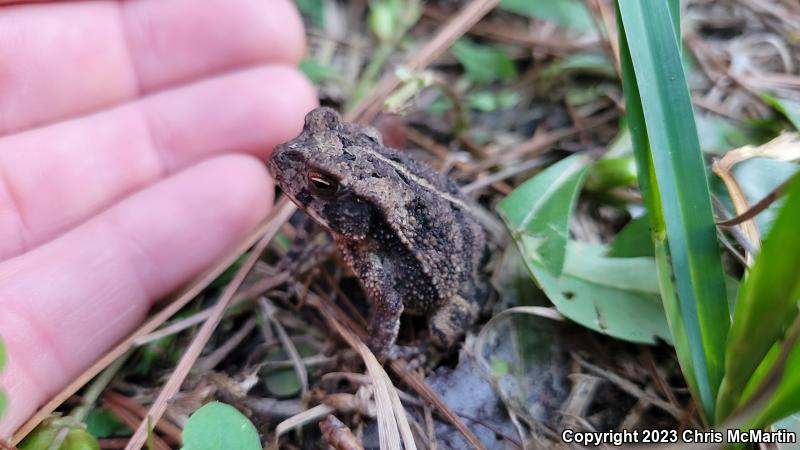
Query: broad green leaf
[789,108]
[483,63]
[610,173]
[633,240]
[282,383]
[767,303]
[103,424]
[317,72]
[43,437]
[569,13]
[218,425]
[40,438]
[79,439]
[718,134]
[584,94]
[313,9]
[580,63]
[673,180]
[615,296]
[537,212]
[383,19]
[487,101]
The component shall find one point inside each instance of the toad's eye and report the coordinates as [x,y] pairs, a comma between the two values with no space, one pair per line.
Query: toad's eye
[322,184]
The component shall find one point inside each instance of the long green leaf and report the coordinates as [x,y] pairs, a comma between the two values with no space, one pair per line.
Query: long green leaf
[678,181]
[767,303]
[652,200]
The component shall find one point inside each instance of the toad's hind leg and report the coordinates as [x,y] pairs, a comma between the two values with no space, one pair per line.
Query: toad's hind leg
[451,320]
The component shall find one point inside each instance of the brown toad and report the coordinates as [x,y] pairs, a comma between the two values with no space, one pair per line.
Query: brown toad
[404,229]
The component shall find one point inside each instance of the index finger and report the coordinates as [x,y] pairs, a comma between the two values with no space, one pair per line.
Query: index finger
[70,58]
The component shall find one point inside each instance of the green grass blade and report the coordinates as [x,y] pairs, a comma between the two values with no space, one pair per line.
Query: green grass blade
[767,304]
[675,177]
[786,399]
[652,201]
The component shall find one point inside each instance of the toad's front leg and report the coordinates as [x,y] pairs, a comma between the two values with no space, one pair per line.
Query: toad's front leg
[386,306]
[385,302]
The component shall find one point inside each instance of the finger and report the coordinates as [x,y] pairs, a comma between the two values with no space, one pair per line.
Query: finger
[71,58]
[67,302]
[54,177]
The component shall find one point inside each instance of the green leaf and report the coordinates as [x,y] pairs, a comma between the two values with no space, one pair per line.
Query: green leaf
[786,398]
[537,212]
[633,240]
[580,63]
[383,19]
[317,72]
[789,108]
[615,296]
[718,134]
[218,425]
[283,382]
[483,63]
[79,439]
[610,173]
[673,180]
[487,101]
[766,305]
[102,423]
[313,9]
[569,13]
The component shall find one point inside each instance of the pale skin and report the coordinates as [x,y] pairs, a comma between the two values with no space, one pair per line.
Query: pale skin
[132,139]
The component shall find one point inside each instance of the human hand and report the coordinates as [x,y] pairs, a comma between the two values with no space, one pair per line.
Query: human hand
[129,137]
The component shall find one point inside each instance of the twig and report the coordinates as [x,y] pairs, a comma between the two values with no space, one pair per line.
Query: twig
[97,387]
[130,420]
[412,379]
[538,144]
[171,433]
[633,389]
[762,204]
[392,423]
[519,37]
[280,214]
[222,352]
[297,361]
[454,29]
